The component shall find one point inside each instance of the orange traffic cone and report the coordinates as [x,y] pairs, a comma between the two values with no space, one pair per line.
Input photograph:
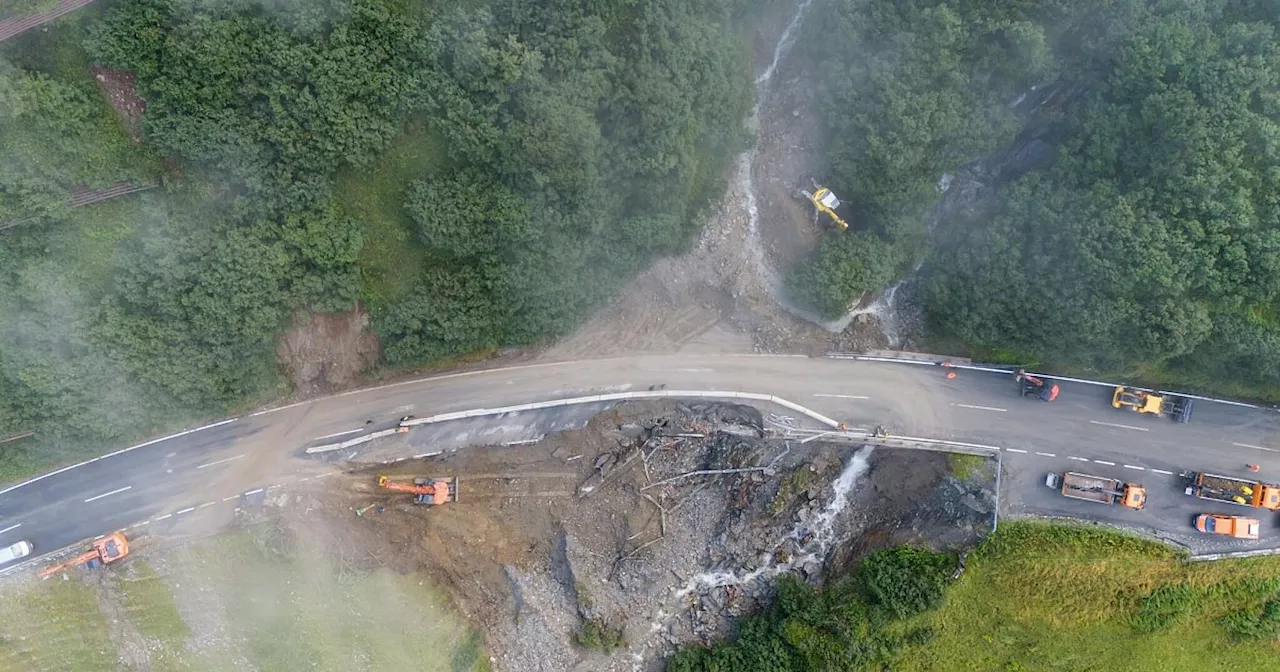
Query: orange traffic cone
[951,375]
[1254,468]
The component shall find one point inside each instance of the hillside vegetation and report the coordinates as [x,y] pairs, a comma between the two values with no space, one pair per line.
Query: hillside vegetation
[1033,597]
[1145,243]
[477,174]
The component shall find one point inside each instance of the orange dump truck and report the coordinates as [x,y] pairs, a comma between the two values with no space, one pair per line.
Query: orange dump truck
[1098,489]
[1232,490]
[1231,526]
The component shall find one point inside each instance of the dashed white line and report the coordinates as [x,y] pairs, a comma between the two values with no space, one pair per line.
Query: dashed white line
[1112,424]
[1134,466]
[422,455]
[210,464]
[189,509]
[1250,445]
[1162,471]
[694,370]
[227,499]
[108,494]
[100,536]
[11,527]
[327,474]
[330,436]
[167,515]
[1015,450]
[842,396]
[206,504]
[304,478]
[1109,464]
[1077,459]
[145,522]
[982,408]
[1046,454]
[254,492]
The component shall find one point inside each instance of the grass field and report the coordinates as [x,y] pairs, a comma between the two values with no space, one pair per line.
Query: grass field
[1041,597]
[374,197]
[224,603]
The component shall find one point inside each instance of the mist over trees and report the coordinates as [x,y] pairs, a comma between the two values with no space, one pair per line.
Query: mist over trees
[567,143]
[1147,242]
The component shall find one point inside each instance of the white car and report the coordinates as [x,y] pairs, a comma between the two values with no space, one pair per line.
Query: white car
[17,551]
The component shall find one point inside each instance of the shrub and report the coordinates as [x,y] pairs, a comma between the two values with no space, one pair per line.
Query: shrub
[906,580]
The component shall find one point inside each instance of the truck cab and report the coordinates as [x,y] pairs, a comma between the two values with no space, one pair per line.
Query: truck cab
[1135,496]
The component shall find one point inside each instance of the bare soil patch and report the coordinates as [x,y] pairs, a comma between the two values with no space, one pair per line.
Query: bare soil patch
[609,527]
[121,92]
[327,351]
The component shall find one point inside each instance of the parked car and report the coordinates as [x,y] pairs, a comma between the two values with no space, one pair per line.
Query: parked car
[15,552]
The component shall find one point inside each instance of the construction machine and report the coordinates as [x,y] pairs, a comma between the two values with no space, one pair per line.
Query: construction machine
[105,551]
[824,202]
[1098,489]
[1149,402]
[1044,389]
[428,491]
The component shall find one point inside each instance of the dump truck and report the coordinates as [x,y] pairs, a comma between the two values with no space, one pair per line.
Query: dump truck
[1232,490]
[1239,527]
[1149,402]
[428,491]
[1098,489]
[105,551]
[1038,387]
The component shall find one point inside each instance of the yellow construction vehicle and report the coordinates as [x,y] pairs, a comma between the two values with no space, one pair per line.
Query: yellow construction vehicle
[1148,402]
[429,491]
[825,202]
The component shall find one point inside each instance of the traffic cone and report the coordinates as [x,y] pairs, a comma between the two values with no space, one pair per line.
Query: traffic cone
[1254,468]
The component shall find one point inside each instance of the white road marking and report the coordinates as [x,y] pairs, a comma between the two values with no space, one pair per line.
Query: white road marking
[1249,445]
[1112,424]
[422,455]
[227,499]
[1134,466]
[118,452]
[695,370]
[304,478]
[167,515]
[1162,471]
[330,436]
[11,527]
[1015,450]
[327,474]
[210,464]
[1077,459]
[145,522]
[1109,464]
[254,492]
[1046,454]
[189,509]
[206,504]
[982,408]
[108,494]
[100,536]
[842,396]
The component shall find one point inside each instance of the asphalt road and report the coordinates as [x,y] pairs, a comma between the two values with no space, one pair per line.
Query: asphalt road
[167,484]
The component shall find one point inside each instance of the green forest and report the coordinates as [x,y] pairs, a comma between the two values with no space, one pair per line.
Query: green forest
[475,174]
[1146,243]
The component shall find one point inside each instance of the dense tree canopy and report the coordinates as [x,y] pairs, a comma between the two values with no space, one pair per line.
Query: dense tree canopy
[574,141]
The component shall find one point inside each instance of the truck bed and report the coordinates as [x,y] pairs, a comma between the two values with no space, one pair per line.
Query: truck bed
[1223,488]
[1092,488]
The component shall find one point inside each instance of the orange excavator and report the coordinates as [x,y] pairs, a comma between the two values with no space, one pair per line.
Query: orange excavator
[429,491]
[105,551]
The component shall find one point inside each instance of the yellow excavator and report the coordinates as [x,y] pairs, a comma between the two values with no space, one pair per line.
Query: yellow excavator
[824,202]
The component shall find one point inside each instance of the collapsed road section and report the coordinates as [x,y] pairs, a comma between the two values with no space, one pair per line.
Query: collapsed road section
[659,523]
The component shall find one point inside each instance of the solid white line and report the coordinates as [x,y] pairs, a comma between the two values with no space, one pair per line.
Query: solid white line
[1162,471]
[1242,445]
[11,527]
[41,477]
[422,455]
[1046,454]
[167,515]
[1112,424]
[1015,450]
[108,494]
[330,436]
[1109,464]
[254,492]
[842,396]
[210,464]
[1131,466]
[1077,459]
[189,509]
[982,408]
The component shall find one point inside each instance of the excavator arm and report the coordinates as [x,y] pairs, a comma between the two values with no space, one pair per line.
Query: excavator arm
[81,559]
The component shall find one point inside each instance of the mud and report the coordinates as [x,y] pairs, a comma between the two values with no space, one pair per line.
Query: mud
[121,92]
[612,525]
[327,351]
